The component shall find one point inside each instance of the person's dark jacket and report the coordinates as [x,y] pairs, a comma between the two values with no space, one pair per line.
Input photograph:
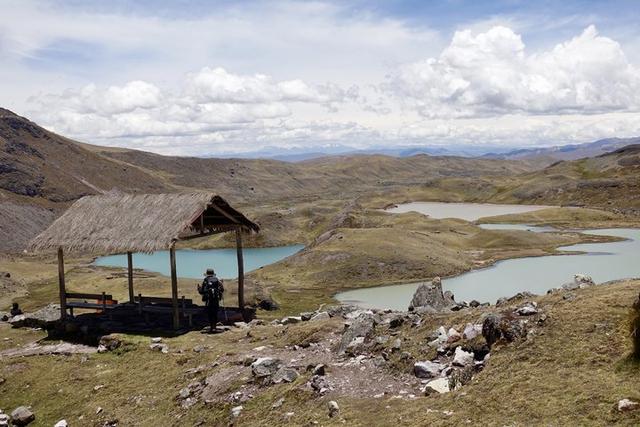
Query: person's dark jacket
[211,290]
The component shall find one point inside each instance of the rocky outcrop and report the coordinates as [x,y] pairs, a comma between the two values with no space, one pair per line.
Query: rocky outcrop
[43,318]
[359,332]
[429,296]
[428,369]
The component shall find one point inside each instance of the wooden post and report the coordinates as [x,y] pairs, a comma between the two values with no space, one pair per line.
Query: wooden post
[130,275]
[174,286]
[61,284]
[240,270]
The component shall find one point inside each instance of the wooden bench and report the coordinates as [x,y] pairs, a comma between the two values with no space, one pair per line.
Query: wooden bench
[104,301]
[165,305]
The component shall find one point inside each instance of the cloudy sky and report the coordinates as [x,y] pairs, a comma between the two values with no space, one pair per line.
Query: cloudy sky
[205,78]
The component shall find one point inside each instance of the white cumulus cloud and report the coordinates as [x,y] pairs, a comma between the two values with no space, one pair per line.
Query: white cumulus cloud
[491,73]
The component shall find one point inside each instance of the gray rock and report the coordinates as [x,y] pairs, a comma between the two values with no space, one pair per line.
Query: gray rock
[362,326]
[109,343]
[236,411]
[527,309]
[396,321]
[627,405]
[4,419]
[427,369]
[471,331]
[265,367]
[439,385]
[22,416]
[319,370]
[61,423]
[284,375]
[278,403]
[306,316]
[462,358]
[323,315]
[161,347]
[43,318]
[430,295]
[491,329]
[334,409]
[397,344]
[291,320]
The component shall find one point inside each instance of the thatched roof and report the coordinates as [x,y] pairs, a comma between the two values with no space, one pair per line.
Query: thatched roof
[118,223]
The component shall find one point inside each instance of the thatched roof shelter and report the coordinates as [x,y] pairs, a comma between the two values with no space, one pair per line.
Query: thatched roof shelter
[118,223]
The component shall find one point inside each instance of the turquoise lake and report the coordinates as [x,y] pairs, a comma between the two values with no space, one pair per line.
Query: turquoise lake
[193,263]
[602,261]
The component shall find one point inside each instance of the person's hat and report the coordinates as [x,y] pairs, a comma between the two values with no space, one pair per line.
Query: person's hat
[210,272]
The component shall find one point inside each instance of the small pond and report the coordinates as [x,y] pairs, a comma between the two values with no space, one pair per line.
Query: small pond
[602,261]
[466,211]
[193,263]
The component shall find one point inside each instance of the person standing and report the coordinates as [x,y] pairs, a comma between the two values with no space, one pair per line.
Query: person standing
[211,290]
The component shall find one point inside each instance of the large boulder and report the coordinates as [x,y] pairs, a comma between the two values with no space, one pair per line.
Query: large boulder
[431,297]
[462,358]
[265,367]
[284,375]
[361,330]
[42,318]
[427,369]
[507,327]
[21,416]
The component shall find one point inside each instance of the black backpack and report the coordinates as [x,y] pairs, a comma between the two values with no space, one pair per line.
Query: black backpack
[211,288]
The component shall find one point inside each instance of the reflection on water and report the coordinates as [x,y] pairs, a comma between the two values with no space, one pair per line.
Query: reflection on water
[522,227]
[193,263]
[603,261]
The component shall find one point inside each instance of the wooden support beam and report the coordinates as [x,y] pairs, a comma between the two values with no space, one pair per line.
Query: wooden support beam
[202,224]
[61,284]
[174,286]
[240,270]
[130,275]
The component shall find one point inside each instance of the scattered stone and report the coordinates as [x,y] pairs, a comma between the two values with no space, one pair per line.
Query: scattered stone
[579,281]
[265,367]
[471,331]
[288,415]
[440,385]
[291,320]
[462,358]
[287,375]
[61,423]
[108,343]
[319,384]
[427,369]
[474,303]
[306,316]
[569,296]
[236,411]
[453,336]
[22,416]
[159,347]
[396,321]
[502,301]
[4,419]
[334,409]
[240,324]
[323,315]
[430,295]
[278,403]
[397,344]
[319,370]
[156,340]
[527,309]
[627,405]
[98,387]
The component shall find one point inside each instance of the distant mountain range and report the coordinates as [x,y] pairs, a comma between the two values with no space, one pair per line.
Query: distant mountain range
[546,155]
[567,152]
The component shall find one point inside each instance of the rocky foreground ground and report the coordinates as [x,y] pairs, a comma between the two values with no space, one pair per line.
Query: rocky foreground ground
[559,359]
